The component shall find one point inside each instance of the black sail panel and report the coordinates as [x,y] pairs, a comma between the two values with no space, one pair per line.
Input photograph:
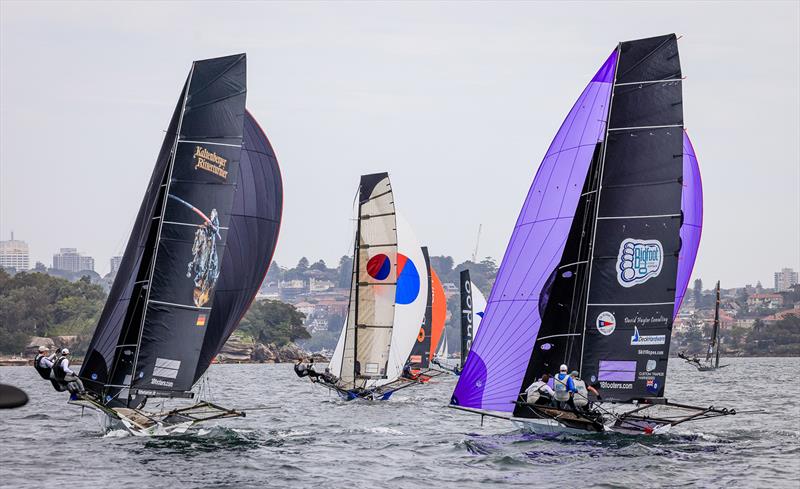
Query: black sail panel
[252,237]
[467,328]
[633,265]
[194,227]
[117,320]
[420,354]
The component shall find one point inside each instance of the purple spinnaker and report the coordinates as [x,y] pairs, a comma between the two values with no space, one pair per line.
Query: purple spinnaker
[496,364]
[692,228]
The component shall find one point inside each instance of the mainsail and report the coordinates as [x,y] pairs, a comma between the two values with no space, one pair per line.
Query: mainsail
[590,274]
[367,335]
[197,235]
[473,305]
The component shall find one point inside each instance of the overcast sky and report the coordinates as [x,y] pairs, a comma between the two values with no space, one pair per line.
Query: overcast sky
[458,102]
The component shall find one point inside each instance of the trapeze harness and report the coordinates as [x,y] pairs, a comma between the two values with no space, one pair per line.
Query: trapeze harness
[43,371]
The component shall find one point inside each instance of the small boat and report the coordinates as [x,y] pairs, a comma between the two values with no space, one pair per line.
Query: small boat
[431,340]
[388,298]
[199,249]
[473,305]
[713,346]
[598,261]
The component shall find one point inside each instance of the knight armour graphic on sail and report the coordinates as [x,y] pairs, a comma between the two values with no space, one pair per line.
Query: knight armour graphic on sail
[204,267]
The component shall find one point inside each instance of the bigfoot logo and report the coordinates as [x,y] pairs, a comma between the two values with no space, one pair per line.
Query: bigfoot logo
[638,261]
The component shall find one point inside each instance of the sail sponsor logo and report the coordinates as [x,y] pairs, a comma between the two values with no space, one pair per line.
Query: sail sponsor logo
[638,339]
[162,383]
[638,261]
[616,385]
[167,369]
[654,320]
[653,385]
[466,313]
[201,320]
[651,353]
[649,375]
[651,365]
[210,162]
[606,323]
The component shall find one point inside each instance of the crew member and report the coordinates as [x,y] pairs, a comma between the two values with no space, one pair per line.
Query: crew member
[43,363]
[63,377]
[580,398]
[407,372]
[564,387]
[300,368]
[540,392]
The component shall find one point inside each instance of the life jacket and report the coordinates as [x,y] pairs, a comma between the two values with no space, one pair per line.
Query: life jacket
[560,386]
[58,370]
[44,372]
[535,391]
[581,398]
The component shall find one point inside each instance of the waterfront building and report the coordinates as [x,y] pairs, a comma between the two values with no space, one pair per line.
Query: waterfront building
[116,261]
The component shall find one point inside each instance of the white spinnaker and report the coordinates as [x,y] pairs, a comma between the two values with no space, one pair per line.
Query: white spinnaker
[407,317]
[336,359]
[442,352]
[478,307]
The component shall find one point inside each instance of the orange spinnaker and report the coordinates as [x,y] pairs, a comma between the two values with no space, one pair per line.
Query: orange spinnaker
[438,311]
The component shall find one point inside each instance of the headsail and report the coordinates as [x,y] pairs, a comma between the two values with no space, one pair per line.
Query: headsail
[410,299]
[254,227]
[419,353]
[496,365]
[692,228]
[154,323]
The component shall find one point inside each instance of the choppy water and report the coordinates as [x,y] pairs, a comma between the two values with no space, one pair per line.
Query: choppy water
[311,439]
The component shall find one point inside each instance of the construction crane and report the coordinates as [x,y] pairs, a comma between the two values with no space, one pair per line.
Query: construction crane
[477,241]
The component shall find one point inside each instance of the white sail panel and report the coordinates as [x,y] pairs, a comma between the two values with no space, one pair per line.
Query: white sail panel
[478,308]
[410,299]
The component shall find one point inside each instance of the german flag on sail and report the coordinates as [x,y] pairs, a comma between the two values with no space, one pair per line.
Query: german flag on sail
[201,320]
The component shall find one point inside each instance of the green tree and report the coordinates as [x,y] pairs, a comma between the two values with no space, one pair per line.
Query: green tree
[344,272]
[271,321]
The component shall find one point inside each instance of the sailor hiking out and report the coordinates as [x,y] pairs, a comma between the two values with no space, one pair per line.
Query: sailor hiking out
[43,363]
[580,399]
[64,378]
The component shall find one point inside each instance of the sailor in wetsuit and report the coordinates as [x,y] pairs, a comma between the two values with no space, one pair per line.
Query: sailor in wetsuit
[63,377]
[43,363]
[303,370]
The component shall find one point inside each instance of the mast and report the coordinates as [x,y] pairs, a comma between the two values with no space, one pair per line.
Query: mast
[593,215]
[715,332]
[356,273]
[160,219]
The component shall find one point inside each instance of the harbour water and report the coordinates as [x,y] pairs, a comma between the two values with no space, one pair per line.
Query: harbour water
[305,437]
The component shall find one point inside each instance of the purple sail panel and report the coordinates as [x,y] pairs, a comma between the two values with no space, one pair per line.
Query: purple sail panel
[496,364]
[692,228]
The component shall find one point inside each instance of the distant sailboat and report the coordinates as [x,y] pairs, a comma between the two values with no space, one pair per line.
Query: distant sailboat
[198,252]
[473,307]
[712,352]
[388,296]
[595,268]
